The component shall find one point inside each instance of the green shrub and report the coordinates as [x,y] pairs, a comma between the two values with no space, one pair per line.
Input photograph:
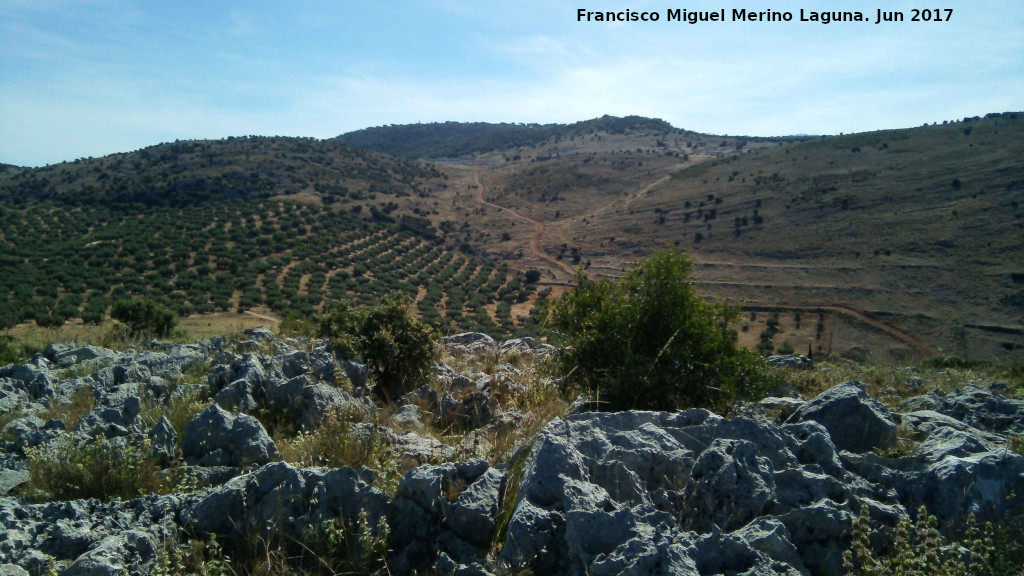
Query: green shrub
[10,351]
[144,316]
[649,341]
[397,347]
[103,469]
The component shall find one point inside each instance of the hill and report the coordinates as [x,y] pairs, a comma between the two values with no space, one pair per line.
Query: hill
[456,139]
[911,235]
[887,244]
[284,224]
[189,172]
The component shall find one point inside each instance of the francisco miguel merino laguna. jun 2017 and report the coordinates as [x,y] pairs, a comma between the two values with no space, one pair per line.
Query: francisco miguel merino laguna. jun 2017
[744,15]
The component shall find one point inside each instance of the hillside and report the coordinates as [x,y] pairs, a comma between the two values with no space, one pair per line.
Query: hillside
[887,244]
[189,172]
[898,242]
[457,139]
[283,224]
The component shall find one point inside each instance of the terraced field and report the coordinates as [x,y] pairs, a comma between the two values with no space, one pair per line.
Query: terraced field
[62,262]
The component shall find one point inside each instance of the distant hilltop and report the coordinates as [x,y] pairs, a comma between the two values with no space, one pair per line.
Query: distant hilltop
[455,139]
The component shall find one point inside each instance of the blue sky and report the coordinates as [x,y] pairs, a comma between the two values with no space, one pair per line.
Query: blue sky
[88,78]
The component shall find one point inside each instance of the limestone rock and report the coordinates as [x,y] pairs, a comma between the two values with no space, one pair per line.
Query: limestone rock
[219,438]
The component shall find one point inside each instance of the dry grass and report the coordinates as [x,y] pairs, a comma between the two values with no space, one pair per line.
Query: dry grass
[892,384]
[82,402]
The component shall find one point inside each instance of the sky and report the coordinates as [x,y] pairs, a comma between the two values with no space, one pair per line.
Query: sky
[90,78]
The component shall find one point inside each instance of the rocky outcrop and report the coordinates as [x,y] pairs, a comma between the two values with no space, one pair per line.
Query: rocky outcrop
[635,492]
[855,421]
[651,493]
[219,438]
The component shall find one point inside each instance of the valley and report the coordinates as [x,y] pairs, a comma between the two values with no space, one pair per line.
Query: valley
[889,245]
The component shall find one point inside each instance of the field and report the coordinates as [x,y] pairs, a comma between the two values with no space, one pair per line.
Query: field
[216,257]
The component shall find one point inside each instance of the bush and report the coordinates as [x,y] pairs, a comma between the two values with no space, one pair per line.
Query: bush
[649,341]
[10,351]
[397,347]
[144,316]
[103,469]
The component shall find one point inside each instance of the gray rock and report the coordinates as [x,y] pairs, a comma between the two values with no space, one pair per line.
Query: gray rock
[415,449]
[309,402]
[451,508]
[728,487]
[12,395]
[771,537]
[113,421]
[525,344]
[13,473]
[985,409]
[314,403]
[855,421]
[793,361]
[821,532]
[248,368]
[956,473]
[94,355]
[69,539]
[133,551]
[219,438]
[164,439]
[356,372]
[36,381]
[259,334]
[408,417]
[785,406]
[279,499]
[471,341]
[237,397]
[12,570]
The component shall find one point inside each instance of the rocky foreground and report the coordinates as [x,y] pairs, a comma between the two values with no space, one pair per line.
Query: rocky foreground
[634,492]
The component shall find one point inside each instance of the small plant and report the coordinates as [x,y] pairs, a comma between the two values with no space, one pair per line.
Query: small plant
[10,350]
[103,469]
[193,558]
[333,444]
[1017,444]
[918,550]
[397,347]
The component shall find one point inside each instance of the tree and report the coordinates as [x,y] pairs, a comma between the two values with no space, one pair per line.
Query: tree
[143,315]
[649,341]
[397,347]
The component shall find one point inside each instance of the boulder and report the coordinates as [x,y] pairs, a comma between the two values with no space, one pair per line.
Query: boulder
[216,437]
[113,421]
[791,361]
[855,421]
[728,487]
[164,439]
[133,552]
[12,570]
[93,354]
[985,409]
[259,334]
[471,341]
[451,508]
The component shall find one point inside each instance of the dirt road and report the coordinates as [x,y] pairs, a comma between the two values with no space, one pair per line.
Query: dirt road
[538,227]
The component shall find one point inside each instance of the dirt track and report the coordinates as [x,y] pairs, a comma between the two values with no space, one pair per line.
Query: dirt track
[538,227]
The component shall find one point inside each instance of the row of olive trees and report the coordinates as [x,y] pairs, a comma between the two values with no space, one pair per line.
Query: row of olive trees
[647,341]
